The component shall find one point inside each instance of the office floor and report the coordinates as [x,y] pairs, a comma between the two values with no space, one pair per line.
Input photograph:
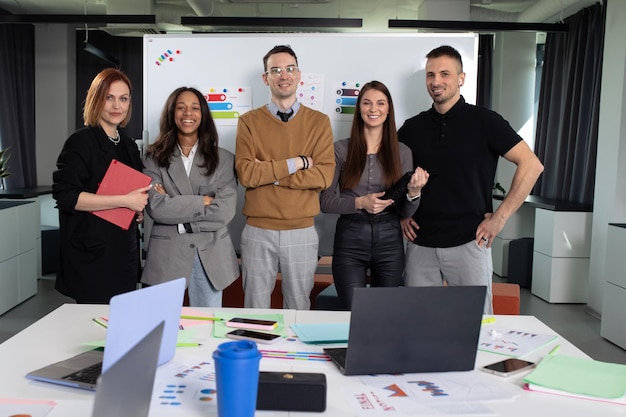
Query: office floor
[569,320]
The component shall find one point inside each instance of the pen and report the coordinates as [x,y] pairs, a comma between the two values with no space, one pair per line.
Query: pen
[100,322]
[201,318]
[555,350]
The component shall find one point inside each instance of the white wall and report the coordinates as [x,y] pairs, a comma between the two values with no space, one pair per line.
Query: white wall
[609,204]
[55,86]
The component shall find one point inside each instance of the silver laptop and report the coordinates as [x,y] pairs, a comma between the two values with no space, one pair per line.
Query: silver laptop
[125,389]
[131,316]
[412,329]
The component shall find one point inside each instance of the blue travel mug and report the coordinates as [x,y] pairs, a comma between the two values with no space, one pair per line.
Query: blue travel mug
[237,378]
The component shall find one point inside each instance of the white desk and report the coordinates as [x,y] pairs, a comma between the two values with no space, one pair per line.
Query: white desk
[59,335]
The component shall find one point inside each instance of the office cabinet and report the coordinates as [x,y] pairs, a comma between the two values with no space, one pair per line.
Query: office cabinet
[19,227]
[613,327]
[561,252]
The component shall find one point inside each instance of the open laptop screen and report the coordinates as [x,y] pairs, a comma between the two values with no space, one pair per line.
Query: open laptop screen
[414,329]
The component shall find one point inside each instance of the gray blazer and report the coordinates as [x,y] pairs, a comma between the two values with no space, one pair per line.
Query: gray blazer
[171,254]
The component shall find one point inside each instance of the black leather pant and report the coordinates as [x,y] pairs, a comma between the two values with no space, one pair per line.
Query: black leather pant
[367,241]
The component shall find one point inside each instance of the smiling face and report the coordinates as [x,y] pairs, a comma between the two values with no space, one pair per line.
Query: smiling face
[444,79]
[116,105]
[188,114]
[374,108]
[284,85]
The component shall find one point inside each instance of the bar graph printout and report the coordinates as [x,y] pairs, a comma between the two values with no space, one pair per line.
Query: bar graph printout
[441,393]
[511,342]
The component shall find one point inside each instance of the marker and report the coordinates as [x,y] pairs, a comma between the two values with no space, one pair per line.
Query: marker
[291,352]
[201,318]
[100,322]
[188,344]
[555,350]
[489,320]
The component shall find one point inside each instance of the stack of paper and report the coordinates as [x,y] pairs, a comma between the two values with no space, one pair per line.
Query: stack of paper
[579,377]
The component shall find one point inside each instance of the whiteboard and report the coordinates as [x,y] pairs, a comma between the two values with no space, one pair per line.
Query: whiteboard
[227,68]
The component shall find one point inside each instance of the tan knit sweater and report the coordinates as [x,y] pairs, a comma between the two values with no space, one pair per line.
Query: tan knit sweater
[275,199]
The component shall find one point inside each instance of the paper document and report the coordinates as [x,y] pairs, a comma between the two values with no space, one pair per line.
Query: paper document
[427,394]
[511,342]
[25,407]
[579,377]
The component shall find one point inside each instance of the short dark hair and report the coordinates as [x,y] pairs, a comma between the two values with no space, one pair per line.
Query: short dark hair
[277,50]
[446,50]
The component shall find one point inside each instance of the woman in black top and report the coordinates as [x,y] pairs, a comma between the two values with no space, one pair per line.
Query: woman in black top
[98,259]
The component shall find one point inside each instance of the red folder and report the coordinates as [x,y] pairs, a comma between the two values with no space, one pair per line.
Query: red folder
[120,179]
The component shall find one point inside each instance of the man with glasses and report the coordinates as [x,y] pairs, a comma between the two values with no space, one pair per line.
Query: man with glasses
[284,157]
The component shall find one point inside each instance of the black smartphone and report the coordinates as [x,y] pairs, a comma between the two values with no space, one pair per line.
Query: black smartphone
[508,367]
[259,337]
[247,323]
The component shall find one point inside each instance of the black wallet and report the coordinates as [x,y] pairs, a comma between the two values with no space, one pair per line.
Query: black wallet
[291,391]
[398,190]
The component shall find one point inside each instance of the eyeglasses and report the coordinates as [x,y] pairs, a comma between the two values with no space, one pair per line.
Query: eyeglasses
[277,72]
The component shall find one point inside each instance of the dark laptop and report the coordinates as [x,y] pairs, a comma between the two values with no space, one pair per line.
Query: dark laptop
[125,389]
[412,329]
[131,316]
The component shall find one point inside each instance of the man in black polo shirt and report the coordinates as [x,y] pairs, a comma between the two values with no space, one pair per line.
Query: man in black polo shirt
[459,144]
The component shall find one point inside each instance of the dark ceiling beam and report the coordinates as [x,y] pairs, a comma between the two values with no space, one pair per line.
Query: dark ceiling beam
[475,26]
[271,22]
[78,18]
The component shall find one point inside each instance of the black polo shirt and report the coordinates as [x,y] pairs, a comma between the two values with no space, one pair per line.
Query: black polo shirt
[460,150]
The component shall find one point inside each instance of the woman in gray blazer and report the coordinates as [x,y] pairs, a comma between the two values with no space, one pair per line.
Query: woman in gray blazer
[193,199]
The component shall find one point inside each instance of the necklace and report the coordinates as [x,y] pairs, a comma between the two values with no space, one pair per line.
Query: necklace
[116,139]
[188,147]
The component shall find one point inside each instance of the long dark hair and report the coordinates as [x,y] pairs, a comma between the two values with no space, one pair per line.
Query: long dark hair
[163,148]
[388,153]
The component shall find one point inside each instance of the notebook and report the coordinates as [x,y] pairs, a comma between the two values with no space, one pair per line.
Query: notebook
[131,316]
[579,378]
[412,329]
[120,179]
[125,389]
[398,190]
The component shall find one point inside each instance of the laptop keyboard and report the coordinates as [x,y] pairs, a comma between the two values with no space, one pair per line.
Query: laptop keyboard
[338,355]
[87,375]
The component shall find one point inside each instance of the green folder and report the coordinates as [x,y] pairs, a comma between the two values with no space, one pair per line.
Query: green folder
[322,332]
[579,377]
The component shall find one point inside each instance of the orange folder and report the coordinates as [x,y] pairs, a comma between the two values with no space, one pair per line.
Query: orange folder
[120,179]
